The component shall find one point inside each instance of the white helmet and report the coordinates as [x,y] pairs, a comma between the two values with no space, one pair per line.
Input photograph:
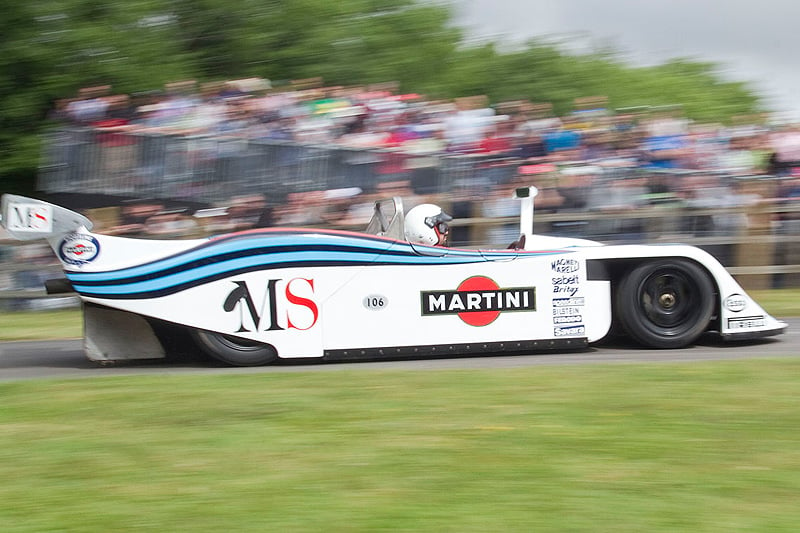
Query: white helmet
[427,224]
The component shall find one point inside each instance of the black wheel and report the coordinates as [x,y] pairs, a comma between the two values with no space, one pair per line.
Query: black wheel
[665,303]
[234,350]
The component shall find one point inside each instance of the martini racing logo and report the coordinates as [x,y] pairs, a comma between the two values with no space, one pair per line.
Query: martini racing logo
[78,249]
[478,301]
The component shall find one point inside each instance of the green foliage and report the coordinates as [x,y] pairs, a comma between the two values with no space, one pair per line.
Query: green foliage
[52,48]
[541,72]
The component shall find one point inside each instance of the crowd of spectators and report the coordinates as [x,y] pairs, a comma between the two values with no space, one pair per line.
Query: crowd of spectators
[378,117]
[593,158]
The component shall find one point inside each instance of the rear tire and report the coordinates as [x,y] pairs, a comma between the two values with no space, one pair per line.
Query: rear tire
[234,351]
[666,303]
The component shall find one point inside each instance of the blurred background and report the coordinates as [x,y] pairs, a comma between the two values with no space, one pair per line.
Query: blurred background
[178,118]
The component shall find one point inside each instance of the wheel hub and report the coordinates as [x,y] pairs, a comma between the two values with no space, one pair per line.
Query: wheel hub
[667,300]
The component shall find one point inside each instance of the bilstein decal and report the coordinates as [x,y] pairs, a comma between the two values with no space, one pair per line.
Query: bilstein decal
[478,301]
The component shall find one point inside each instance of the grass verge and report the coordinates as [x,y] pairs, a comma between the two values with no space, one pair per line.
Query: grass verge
[40,325]
[668,447]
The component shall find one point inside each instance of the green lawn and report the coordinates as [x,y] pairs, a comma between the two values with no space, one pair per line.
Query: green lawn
[780,303]
[40,325]
[661,447]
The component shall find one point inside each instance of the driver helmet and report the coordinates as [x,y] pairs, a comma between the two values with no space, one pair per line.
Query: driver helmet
[427,224]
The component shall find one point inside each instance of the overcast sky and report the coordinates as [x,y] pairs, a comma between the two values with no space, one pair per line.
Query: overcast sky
[753,40]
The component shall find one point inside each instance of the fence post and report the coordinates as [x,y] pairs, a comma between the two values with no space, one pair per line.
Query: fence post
[757,252]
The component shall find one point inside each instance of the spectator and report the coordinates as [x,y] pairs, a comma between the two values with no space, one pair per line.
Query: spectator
[785,145]
[171,223]
[575,186]
[301,209]
[133,217]
[90,106]
[562,139]
[465,128]
[618,196]
[532,148]
[666,144]
[401,188]
[502,204]
[249,211]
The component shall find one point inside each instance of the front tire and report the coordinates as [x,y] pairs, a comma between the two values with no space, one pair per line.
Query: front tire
[234,350]
[665,304]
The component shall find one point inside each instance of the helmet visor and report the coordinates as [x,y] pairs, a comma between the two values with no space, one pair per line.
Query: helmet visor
[439,222]
[440,225]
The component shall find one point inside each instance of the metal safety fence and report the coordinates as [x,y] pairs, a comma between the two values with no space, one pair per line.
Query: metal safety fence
[211,169]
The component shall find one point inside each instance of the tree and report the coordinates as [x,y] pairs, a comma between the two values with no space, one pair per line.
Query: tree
[50,49]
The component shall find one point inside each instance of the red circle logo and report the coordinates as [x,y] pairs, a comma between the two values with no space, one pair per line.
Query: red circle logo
[478,318]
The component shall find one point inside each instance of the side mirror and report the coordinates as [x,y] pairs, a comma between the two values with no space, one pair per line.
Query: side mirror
[525,192]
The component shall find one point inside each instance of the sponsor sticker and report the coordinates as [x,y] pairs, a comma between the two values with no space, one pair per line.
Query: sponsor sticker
[33,218]
[746,322]
[78,249]
[576,301]
[735,303]
[568,331]
[375,302]
[565,266]
[283,304]
[478,301]
[566,284]
[567,314]
[568,319]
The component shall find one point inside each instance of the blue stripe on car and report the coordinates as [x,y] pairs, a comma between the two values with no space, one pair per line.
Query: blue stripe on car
[235,255]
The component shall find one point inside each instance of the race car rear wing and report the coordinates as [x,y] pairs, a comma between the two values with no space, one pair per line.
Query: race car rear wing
[27,219]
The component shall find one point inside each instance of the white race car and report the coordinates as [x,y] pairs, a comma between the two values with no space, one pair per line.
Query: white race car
[252,297]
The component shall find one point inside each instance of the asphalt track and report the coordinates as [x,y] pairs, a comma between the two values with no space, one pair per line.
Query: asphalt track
[65,359]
